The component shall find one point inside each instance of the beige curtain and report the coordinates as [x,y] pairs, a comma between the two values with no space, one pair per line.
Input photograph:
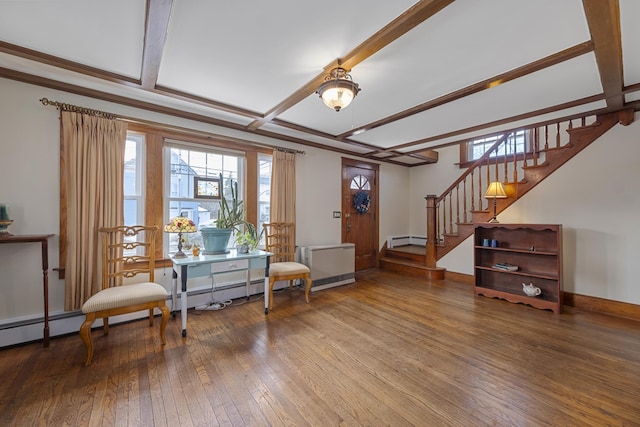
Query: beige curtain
[283,187]
[93,167]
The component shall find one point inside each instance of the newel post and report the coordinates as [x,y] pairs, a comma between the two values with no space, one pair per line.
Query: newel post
[431,230]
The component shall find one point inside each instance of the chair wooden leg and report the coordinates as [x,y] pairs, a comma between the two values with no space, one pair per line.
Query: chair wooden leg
[105,325]
[271,283]
[151,317]
[85,335]
[163,324]
[307,281]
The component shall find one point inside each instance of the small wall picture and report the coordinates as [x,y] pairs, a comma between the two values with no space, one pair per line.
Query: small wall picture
[206,188]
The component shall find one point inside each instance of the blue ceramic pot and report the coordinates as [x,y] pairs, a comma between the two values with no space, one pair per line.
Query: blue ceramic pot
[215,240]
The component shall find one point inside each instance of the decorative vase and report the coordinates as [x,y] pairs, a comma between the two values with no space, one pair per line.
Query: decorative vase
[215,240]
[243,249]
[4,227]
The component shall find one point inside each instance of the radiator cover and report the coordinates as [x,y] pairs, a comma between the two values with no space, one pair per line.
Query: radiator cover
[330,265]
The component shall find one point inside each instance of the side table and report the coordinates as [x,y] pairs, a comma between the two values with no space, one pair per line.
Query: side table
[43,239]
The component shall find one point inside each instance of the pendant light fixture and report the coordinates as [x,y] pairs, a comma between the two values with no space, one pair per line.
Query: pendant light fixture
[338,89]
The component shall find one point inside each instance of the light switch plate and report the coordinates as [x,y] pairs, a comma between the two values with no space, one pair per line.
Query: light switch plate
[336,214]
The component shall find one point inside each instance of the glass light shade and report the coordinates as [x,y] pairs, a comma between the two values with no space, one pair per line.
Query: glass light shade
[180,224]
[338,95]
[338,90]
[495,191]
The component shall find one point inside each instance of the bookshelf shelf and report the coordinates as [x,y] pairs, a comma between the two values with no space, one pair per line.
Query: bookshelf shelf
[536,249]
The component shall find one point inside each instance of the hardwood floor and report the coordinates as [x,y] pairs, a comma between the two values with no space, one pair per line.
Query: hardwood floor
[387,350]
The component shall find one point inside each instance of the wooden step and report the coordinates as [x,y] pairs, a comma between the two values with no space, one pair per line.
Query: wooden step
[411,268]
[411,253]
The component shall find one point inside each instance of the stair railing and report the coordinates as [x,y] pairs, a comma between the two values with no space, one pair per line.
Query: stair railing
[501,162]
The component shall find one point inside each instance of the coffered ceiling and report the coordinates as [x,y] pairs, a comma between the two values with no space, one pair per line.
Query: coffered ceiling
[433,72]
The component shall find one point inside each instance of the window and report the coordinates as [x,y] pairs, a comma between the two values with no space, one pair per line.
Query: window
[360,182]
[160,177]
[264,188]
[133,178]
[184,163]
[516,142]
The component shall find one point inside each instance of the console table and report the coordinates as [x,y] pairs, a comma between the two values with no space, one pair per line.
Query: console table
[43,239]
[210,265]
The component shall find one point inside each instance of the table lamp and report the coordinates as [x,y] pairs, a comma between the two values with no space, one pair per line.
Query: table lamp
[180,225]
[495,191]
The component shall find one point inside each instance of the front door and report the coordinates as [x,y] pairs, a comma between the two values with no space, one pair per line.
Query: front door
[360,210]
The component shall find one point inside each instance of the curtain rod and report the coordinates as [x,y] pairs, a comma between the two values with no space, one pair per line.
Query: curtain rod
[289,150]
[70,107]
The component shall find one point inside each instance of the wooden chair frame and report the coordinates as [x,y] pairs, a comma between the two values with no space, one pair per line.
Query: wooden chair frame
[114,298]
[280,241]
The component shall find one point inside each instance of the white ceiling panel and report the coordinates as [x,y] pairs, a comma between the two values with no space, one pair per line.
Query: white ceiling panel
[633,96]
[107,35]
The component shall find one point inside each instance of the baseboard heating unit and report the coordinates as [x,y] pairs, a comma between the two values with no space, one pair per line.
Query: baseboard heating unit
[331,265]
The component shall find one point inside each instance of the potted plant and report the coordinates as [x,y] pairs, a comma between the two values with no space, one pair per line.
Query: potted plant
[231,213]
[230,218]
[249,239]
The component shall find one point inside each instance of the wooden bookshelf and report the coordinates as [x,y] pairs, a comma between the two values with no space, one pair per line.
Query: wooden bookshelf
[536,249]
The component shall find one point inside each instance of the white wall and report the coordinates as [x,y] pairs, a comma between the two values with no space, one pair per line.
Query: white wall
[431,179]
[394,198]
[596,199]
[29,172]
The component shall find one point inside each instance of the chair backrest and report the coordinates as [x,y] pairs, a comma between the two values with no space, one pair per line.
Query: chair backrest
[127,252]
[280,240]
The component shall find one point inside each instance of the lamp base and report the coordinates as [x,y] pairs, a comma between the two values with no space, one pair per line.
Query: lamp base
[179,254]
[494,219]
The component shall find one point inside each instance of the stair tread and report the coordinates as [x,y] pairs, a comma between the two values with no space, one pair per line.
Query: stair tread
[404,262]
[539,165]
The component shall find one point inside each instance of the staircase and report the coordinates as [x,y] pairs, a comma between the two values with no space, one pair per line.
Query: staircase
[451,216]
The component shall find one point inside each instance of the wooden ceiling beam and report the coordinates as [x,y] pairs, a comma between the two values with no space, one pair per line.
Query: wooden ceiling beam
[155,36]
[603,17]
